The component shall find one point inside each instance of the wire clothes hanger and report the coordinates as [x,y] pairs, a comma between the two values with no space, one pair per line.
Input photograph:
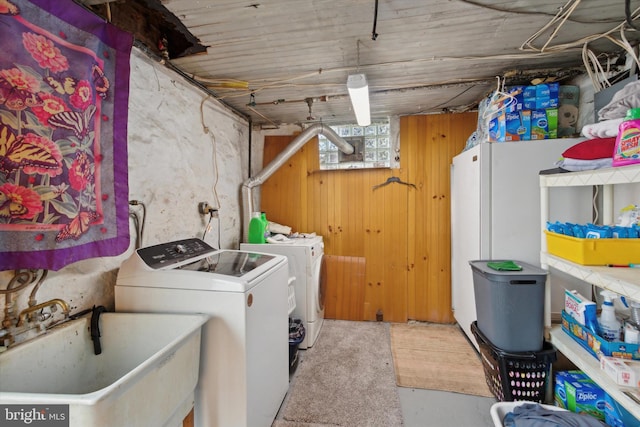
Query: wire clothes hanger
[393,179]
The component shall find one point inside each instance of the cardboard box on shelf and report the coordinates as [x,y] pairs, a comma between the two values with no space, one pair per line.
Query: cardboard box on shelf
[578,306]
[623,371]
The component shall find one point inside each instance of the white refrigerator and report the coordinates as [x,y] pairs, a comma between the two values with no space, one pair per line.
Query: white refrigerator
[495,210]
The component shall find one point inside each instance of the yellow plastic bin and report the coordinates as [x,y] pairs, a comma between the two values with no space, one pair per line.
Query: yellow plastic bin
[594,251]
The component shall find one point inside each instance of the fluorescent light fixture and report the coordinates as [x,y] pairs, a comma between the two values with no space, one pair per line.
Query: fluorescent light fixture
[359,94]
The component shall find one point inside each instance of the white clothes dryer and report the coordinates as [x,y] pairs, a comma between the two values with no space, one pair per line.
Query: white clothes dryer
[244,358]
[307,267]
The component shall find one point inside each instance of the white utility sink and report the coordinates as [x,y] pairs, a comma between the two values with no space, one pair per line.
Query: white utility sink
[145,376]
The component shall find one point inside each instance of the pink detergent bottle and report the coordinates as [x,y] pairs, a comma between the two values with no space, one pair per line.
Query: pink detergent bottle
[627,148]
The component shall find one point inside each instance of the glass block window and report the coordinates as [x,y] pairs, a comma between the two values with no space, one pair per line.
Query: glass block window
[372,143]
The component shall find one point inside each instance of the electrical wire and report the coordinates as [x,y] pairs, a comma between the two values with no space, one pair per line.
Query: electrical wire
[531,12]
[598,75]
[374,35]
[627,15]
[208,227]
[560,18]
[216,169]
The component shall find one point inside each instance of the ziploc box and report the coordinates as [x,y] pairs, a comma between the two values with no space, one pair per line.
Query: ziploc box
[544,124]
[576,392]
[497,128]
[542,96]
[515,126]
[518,126]
[517,104]
[615,415]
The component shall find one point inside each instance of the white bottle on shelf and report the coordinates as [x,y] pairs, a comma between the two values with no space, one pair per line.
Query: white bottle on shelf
[609,324]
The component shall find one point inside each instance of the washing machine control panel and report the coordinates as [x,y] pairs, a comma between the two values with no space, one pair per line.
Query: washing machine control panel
[171,253]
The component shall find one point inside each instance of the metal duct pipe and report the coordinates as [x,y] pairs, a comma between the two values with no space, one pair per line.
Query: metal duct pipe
[271,168]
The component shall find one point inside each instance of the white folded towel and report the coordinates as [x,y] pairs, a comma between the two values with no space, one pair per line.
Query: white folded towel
[604,129]
[576,165]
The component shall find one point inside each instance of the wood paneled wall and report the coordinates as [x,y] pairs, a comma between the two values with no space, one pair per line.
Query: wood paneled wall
[401,232]
[346,284]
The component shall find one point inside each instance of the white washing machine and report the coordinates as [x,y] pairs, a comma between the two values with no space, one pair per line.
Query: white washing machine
[306,265]
[244,360]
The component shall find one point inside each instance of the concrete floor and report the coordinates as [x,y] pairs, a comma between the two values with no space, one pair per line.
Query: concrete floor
[430,408]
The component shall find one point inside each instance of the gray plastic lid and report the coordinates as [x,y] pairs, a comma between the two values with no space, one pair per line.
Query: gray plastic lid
[527,269]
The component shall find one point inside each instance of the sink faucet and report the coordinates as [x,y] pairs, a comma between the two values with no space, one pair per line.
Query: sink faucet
[51,303]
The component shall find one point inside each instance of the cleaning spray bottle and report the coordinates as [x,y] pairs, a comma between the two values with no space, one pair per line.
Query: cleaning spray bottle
[609,324]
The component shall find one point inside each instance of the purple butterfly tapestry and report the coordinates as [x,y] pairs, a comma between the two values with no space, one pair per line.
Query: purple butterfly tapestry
[64,91]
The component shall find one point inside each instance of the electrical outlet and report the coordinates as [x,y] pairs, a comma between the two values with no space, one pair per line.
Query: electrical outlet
[204,208]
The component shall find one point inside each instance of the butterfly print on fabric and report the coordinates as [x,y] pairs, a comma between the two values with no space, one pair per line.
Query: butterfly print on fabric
[62,86]
[100,81]
[15,98]
[78,226]
[73,120]
[16,153]
[10,207]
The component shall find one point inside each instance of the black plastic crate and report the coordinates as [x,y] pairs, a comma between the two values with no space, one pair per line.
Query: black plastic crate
[515,376]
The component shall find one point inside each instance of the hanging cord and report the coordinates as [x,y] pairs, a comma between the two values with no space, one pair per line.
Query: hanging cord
[208,227]
[561,17]
[214,150]
[374,35]
[627,15]
[595,71]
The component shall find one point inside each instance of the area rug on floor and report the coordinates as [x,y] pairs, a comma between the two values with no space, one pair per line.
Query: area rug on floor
[345,379]
[436,357]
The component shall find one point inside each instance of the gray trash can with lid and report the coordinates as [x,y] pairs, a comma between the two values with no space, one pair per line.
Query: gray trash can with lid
[510,305]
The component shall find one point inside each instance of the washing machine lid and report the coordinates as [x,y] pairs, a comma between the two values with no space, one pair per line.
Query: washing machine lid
[192,264]
[229,263]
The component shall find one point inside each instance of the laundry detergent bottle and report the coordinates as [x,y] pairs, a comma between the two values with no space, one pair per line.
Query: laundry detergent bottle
[256,228]
[609,324]
[627,147]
